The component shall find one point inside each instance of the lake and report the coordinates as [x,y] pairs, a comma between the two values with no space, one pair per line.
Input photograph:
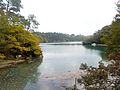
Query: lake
[57,70]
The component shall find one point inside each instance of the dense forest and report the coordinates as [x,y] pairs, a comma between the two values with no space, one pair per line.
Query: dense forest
[17,39]
[59,37]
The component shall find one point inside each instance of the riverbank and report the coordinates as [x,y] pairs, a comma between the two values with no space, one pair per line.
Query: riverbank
[9,63]
[13,63]
[94,44]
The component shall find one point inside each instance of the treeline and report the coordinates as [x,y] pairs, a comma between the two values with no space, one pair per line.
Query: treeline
[98,35]
[108,35]
[16,40]
[59,37]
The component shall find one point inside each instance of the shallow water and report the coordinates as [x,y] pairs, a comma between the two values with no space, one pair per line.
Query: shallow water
[59,68]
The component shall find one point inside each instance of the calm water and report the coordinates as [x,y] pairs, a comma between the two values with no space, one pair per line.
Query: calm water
[57,71]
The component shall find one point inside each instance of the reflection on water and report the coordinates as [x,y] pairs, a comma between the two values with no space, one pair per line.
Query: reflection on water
[102,50]
[16,78]
[58,70]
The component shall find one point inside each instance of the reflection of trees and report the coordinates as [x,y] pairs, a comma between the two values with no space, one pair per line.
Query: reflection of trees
[16,78]
[101,50]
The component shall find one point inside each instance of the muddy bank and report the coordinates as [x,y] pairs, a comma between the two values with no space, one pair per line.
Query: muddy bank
[13,63]
[9,63]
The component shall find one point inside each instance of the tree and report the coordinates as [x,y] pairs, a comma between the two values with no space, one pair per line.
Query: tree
[11,9]
[59,37]
[31,23]
[11,5]
[15,40]
[112,38]
[97,36]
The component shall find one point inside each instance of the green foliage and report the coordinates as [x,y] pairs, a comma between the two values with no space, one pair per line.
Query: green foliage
[97,36]
[109,35]
[59,37]
[15,40]
[11,5]
[112,38]
[2,56]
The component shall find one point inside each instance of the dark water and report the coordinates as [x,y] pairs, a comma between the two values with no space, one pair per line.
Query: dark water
[57,71]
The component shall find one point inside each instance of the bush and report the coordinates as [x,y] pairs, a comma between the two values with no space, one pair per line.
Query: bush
[2,56]
[17,41]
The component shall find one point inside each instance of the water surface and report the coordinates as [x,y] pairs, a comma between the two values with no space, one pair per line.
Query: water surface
[58,69]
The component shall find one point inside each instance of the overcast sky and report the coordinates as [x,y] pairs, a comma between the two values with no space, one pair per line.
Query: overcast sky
[71,16]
